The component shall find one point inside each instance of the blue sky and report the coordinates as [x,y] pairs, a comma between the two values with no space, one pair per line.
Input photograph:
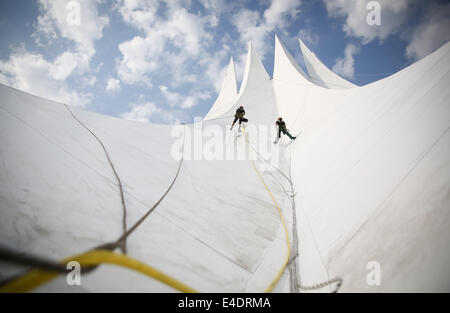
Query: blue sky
[163,61]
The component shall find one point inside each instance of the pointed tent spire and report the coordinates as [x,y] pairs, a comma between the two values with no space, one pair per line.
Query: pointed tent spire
[254,69]
[320,73]
[285,67]
[256,93]
[290,84]
[227,94]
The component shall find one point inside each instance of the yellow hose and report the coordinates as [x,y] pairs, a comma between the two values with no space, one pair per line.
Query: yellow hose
[288,253]
[35,278]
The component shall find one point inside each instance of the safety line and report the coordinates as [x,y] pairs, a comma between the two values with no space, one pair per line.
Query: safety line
[91,259]
[123,244]
[280,213]
[316,85]
[37,277]
[40,276]
[336,280]
[265,160]
[56,267]
[20,258]
[293,266]
[136,225]
[122,239]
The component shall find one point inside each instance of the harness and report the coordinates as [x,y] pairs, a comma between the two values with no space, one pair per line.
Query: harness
[239,113]
[281,125]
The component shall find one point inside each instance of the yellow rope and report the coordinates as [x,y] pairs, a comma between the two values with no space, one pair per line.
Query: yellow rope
[288,253]
[35,278]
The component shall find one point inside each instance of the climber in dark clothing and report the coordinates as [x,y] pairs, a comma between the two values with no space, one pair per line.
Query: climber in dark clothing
[240,112]
[282,128]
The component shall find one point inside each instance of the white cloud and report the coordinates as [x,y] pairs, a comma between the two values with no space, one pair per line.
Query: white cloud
[184,37]
[307,36]
[215,69]
[175,99]
[139,58]
[32,73]
[63,66]
[393,17]
[218,6]
[143,55]
[146,112]
[428,34]
[182,28]
[279,10]
[99,67]
[175,46]
[187,30]
[173,50]
[90,80]
[346,66]
[113,85]
[53,21]
[139,13]
[141,112]
[433,32]
[172,98]
[252,26]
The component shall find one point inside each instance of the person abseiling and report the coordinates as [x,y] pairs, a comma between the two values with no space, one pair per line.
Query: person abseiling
[240,112]
[282,128]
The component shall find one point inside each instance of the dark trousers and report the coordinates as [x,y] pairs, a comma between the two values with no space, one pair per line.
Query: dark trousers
[285,131]
[241,119]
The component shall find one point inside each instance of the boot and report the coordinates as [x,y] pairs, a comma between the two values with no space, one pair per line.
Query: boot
[289,135]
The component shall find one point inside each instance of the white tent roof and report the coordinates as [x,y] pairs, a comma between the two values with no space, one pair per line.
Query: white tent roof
[320,73]
[370,173]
